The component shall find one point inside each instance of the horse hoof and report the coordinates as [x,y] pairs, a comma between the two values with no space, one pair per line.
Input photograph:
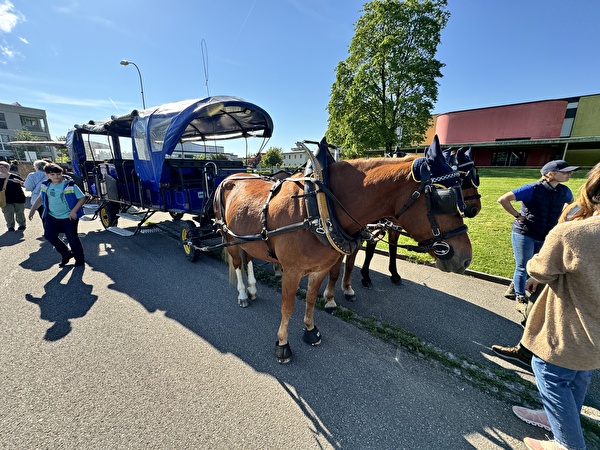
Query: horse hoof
[367,284]
[350,297]
[397,280]
[243,302]
[283,353]
[312,337]
[330,309]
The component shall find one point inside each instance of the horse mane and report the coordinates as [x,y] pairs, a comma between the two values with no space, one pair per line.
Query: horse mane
[380,169]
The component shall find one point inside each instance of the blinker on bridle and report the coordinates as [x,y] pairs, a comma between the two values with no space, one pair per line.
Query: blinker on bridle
[438,200]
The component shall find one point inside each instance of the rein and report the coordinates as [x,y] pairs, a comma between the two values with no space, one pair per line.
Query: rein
[436,244]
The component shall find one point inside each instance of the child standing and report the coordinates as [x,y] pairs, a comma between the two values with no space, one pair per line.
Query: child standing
[62,201]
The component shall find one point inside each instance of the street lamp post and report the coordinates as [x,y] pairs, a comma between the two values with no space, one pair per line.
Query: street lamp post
[126,63]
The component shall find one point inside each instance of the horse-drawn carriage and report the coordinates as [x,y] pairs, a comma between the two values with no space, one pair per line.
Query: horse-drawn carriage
[135,165]
[306,222]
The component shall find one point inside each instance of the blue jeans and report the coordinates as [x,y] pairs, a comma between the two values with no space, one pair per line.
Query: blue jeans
[523,248]
[53,227]
[563,392]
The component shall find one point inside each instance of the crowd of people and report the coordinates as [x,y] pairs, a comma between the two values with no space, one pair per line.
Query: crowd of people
[54,196]
[555,283]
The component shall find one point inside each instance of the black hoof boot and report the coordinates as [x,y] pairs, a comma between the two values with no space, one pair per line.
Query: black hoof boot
[312,337]
[366,282]
[283,353]
[330,309]
[396,279]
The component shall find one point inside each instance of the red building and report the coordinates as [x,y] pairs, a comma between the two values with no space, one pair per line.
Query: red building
[524,134]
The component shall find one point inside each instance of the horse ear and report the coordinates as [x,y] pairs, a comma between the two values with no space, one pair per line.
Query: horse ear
[469,154]
[434,153]
[448,154]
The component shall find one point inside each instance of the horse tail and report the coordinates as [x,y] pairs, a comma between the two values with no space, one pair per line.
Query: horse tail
[232,276]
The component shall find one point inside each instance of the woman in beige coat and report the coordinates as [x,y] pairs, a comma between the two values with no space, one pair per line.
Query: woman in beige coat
[563,328]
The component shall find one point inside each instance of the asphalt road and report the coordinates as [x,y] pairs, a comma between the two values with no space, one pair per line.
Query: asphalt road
[142,349]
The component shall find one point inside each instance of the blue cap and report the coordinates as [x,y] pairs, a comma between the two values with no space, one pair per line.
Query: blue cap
[558,165]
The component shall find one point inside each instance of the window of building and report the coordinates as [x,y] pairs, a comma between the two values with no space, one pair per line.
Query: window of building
[508,158]
[3,122]
[567,127]
[32,123]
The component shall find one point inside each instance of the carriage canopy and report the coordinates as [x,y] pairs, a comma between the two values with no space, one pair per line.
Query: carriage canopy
[155,132]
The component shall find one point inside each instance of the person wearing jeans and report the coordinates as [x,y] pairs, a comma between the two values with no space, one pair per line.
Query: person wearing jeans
[541,205]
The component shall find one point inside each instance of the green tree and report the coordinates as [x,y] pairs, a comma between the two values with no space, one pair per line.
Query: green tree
[385,90]
[24,135]
[62,155]
[272,157]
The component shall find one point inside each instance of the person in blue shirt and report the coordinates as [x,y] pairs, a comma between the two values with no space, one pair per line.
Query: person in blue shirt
[33,182]
[62,201]
[542,203]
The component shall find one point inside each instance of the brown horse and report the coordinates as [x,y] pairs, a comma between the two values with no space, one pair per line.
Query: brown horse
[462,160]
[267,222]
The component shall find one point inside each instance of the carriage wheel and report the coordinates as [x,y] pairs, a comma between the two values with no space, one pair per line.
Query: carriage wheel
[188,232]
[108,216]
[175,215]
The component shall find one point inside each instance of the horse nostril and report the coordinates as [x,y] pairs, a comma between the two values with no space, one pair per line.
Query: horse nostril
[471,212]
[467,263]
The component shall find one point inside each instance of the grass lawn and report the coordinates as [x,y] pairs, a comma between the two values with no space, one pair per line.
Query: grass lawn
[490,230]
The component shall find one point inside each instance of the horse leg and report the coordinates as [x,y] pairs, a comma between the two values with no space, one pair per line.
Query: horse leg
[364,271]
[312,335]
[329,293]
[289,285]
[393,250]
[347,278]
[277,269]
[236,273]
[251,279]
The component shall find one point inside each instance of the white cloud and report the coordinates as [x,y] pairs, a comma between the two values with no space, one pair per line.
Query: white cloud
[25,41]
[9,17]
[5,51]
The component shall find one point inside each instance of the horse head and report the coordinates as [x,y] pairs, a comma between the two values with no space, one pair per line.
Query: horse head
[435,220]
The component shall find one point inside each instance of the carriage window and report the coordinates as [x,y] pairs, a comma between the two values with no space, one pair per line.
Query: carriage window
[158,129]
[97,147]
[139,129]
[126,147]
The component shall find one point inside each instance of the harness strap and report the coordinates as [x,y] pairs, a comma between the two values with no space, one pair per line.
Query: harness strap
[415,195]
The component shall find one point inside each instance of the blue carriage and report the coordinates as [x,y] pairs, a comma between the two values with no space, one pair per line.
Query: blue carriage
[135,165]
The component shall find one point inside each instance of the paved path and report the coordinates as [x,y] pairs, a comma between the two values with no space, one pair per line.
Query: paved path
[142,349]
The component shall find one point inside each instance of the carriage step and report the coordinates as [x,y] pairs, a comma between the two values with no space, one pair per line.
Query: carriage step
[86,218]
[130,216]
[120,231]
[90,208]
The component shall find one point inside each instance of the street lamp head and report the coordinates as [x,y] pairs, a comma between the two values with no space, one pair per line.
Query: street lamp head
[124,62]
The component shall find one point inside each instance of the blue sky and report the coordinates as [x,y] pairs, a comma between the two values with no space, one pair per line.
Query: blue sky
[63,55]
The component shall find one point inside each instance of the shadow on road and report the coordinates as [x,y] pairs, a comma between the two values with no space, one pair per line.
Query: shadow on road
[66,297]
